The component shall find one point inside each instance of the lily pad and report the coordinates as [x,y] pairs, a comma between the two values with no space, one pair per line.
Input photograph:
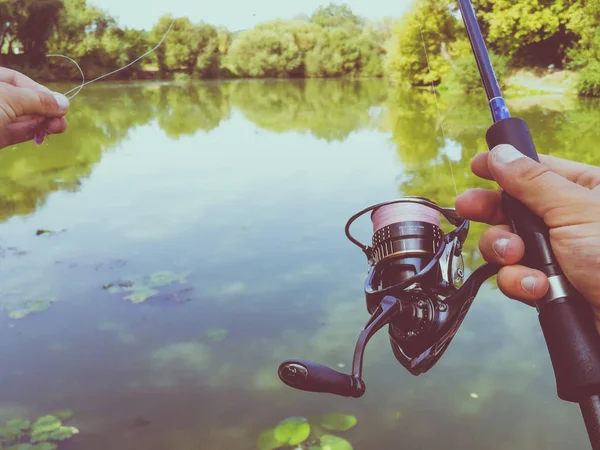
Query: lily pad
[24,446]
[19,309]
[64,414]
[337,422]
[331,442]
[143,288]
[18,424]
[216,334]
[141,294]
[268,441]
[293,430]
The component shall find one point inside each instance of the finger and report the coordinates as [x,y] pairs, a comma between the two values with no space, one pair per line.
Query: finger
[481,205]
[499,245]
[56,125]
[22,131]
[547,194]
[17,79]
[25,131]
[583,174]
[16,102]
[522,283]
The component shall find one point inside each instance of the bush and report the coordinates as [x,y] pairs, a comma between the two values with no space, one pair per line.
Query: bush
[588,80]
[465,74]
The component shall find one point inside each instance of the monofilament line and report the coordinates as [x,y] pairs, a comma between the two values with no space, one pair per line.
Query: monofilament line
[84,83]
[441,119]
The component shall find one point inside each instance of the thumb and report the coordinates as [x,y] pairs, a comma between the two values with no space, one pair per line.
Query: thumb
[534,184]
[25,101]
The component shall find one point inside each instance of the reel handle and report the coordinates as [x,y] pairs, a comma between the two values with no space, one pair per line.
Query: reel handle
[310,376]
[566,319]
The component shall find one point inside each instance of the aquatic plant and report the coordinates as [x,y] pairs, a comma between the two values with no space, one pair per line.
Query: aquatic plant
[140,289]
[17,308]
[216,334]
[42,434]
[313,433]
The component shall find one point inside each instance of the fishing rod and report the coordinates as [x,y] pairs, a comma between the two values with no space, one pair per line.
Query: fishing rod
[566,319]
[415,271]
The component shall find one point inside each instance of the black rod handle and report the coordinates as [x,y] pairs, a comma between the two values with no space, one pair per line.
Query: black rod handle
[310,376]
[567,320]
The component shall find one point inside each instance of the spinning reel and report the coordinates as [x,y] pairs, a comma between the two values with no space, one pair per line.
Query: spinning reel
[412,285]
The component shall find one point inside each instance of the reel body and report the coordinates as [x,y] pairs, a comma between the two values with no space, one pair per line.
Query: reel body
[413,285]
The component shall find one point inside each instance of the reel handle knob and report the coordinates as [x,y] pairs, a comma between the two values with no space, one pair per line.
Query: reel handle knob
[310,376]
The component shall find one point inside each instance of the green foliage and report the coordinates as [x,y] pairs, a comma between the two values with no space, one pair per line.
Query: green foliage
[266,51]
[142,288]
[415,50]
[42,434]
[588,80]
[18,307]
[464,74]
[191,48]
[584,56]
[337,16]
[309,433]
[529,32]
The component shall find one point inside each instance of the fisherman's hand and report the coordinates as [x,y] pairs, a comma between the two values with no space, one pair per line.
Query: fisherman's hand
[27,106]
[565,194]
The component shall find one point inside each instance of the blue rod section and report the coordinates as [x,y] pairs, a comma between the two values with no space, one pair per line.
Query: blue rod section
[488,76]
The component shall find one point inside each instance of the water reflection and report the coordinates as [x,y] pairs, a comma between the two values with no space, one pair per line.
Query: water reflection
[247,186]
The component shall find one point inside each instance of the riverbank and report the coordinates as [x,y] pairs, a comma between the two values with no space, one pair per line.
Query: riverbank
[526,83]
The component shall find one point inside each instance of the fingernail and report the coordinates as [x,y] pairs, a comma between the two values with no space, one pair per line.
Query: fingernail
[528,284]
[503,154]
[63,102]
[500,246]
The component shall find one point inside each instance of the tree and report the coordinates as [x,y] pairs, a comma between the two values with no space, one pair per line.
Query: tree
[528,31]
[188,47]
[336,16]
[415,49]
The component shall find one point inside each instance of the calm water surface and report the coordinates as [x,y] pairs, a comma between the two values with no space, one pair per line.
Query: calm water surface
[243,189]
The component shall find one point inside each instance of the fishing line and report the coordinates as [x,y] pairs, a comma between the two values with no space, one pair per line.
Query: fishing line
[84,83]
[440,118]
[41,133]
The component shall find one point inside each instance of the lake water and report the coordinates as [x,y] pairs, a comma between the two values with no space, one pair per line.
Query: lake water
[242,190]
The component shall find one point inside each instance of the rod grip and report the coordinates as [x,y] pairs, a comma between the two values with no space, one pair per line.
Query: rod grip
[566,319]
[313,377]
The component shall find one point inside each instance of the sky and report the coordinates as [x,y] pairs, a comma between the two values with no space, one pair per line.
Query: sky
[236,14]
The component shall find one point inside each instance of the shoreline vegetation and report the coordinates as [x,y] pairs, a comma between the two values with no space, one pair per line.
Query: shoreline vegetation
[535,49]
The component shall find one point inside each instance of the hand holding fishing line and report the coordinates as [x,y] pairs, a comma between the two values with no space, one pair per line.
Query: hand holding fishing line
[25,105]
[29,110]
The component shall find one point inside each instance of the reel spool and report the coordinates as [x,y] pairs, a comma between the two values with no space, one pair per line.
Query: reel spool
[412,285]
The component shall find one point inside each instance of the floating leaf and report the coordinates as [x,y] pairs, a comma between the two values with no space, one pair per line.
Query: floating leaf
[18,314]
[217,334]
[20,309]
[64,414]
[18,424]
[337,422]
[331,442]
[59,434]
[268,441]
[145,287]
[292,430]
[140,294]
[164,278]
[43,427]
[24,446]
